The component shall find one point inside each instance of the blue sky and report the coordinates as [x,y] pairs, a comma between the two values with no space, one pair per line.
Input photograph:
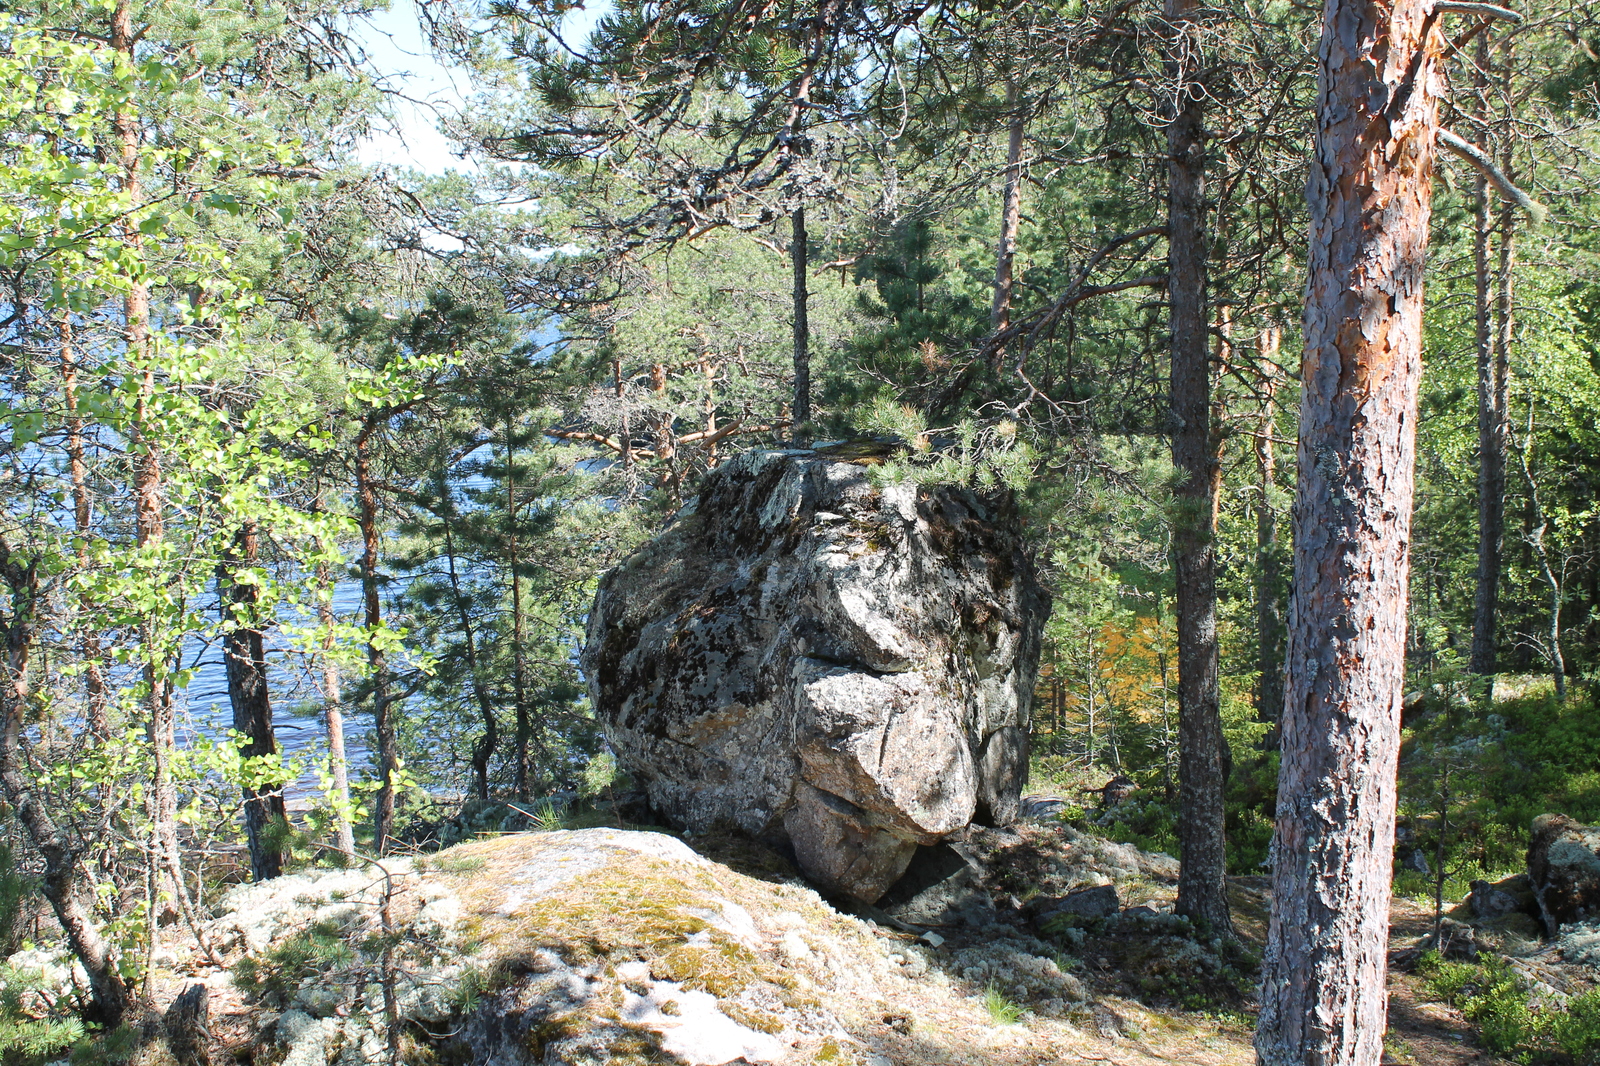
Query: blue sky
[426,89]
[398,50]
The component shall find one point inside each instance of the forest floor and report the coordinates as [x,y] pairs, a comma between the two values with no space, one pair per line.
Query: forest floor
[1422,1030]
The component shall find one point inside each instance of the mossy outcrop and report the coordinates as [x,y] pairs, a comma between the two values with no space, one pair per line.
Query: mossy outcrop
[593,946]
[824,662]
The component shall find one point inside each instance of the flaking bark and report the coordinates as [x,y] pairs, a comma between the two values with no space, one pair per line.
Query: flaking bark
[1323,997]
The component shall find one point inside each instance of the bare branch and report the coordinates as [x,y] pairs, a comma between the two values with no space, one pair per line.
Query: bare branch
[1489,11]
[1480,159]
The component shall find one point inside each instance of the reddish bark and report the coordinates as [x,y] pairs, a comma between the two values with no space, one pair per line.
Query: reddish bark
[1323,997]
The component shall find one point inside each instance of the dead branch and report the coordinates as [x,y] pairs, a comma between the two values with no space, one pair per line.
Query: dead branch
[1480,159]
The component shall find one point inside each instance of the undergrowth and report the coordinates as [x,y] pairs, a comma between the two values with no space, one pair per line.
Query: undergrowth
[1510,1022]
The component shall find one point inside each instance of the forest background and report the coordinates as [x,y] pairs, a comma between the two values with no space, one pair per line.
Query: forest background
[245,370]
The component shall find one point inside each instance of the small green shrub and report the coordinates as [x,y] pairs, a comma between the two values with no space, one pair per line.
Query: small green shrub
[1002,1011]
[1576,1030]
[318,950]
[1495,999]
[31,1028]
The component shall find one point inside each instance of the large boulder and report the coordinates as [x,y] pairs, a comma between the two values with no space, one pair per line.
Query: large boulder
[818,660]
[1564,866]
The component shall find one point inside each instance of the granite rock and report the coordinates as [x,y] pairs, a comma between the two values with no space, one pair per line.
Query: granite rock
[825,663]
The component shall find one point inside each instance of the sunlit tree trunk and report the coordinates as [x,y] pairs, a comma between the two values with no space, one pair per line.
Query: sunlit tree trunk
[377,661]
[483,747]
[1323,996]
[149,519]
[333,713]
[245,658]
[61,882]
[96,715]
[1010,219]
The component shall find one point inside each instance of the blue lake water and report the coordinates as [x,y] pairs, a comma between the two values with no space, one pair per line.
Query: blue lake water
[295,685]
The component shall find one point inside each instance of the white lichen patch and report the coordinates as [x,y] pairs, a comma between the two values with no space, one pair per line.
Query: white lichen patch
[693,1029]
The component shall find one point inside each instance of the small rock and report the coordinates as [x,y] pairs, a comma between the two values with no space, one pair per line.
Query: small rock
[1489,903]
[1043,808]
[1457,940]
[1098,902]
[1564,869]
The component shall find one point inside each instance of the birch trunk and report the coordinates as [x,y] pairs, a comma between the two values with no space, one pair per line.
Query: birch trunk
[62,881]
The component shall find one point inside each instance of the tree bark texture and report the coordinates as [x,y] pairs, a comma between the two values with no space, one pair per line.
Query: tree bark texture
[1010,219]
[1202,883]
[1494,373]
[1323,998]
[521,782]
[1491,458]
[96,712]
[1492,412]
[1269,608]
[149,498]
[245,657]
[799,254]
[333,714]
[1539,525]
[62,881]
[483,747]
[377,661]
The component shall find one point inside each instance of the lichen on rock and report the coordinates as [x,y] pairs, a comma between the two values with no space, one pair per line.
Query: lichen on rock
[824,662]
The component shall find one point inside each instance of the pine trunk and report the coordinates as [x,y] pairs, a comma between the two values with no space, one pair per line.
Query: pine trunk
[1323,996]
[1269,609]
[521,778]
[161,798]
[333,714]
[245,657]
[96,706]
[799,253]
[1202,878]
[1010,220]
[377,661]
